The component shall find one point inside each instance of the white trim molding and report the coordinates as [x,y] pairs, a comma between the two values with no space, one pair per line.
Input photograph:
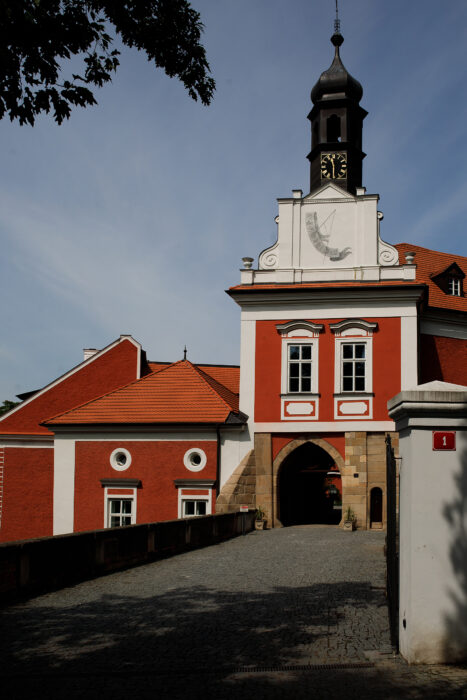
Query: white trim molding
[185,488]
[325,426]
[300,407]
[64,486]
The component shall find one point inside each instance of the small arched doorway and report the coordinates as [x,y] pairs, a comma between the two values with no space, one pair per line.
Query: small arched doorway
[309,487]
[376,508]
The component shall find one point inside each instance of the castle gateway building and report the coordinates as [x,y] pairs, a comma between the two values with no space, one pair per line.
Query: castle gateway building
[334,322]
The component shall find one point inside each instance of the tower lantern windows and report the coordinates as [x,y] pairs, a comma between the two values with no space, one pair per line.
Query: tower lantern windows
[333,129]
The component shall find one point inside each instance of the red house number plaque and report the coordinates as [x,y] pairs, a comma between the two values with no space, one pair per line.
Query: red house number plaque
[444,440]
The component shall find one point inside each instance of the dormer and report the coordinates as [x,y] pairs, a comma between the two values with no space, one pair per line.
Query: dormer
[450,280]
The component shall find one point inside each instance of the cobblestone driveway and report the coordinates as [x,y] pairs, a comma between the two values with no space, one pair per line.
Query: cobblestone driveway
[228,619]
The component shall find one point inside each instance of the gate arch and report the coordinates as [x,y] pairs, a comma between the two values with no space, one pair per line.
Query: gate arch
[287,450]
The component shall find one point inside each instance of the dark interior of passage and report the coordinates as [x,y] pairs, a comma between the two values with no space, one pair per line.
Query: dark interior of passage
[308,490]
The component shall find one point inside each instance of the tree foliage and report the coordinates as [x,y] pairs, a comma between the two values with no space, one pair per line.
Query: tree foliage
[7,406]
[39,37]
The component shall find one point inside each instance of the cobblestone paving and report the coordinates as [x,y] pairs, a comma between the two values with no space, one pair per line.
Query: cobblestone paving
[297,612]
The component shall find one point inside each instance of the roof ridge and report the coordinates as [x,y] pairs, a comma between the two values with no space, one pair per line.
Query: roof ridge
[108,393]
[210,379]
[207,379]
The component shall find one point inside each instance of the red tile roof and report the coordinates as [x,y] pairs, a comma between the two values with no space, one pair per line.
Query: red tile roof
[298,286]
[228,375]
[429,264]
[179,393]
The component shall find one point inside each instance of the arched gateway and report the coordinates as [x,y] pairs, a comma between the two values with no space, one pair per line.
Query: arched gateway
[308,485]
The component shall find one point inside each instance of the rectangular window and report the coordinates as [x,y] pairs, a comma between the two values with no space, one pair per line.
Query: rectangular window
[193,507]
[353,366]
[120,511]
[454,287]
[299,369]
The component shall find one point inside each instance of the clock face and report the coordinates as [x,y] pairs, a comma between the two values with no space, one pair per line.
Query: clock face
[334,166]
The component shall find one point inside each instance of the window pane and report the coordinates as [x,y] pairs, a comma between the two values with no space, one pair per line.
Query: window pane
[359,383]
[359,369]
[347,351]
[306,369]
[306,384]
[347,384]
[294,369]
[201,508]
[359,351]
[306,352]
[293,385]
[114,521]
[126,507]
[294,352]
[115,506]
[126,520]
[189,507]
[347,369]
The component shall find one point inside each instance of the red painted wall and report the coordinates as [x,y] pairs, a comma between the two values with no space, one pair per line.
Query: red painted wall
[156,464]
[386,369]
[444,359]
[336,440]
[113,369]
[27,493]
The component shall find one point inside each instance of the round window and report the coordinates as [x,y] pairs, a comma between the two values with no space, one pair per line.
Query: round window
[195,459]
[120,459]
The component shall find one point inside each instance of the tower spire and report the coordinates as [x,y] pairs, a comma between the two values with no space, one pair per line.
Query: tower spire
[337,22]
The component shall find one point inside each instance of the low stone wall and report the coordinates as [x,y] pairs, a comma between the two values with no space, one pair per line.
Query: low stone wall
[35,566]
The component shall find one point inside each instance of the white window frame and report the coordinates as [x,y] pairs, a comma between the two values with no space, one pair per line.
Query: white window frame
[195,499]
[454,286]
[354,332]
[185,495]
[301,342]
[119,496]
[300,333]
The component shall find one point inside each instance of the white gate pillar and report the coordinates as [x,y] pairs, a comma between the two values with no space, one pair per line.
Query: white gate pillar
[433,522]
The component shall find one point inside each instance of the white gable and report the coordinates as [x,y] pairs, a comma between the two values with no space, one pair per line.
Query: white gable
[329,229]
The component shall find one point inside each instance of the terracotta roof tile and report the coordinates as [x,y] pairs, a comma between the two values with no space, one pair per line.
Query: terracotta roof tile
[429,264]
[228,375]
[179,393]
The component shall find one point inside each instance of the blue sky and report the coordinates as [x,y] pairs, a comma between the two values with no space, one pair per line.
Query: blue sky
[134,215]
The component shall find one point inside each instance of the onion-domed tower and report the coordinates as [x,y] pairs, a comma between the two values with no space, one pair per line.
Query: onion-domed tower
[336,126]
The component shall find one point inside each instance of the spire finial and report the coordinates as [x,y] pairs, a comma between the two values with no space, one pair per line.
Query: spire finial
[337,22]
[184,353]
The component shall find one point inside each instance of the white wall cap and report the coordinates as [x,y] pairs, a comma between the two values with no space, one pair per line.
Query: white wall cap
[431,400]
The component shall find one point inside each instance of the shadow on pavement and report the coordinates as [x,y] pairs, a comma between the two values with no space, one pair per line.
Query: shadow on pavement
[191,642]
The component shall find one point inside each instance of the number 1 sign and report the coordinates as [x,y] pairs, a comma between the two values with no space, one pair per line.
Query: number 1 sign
[444,440]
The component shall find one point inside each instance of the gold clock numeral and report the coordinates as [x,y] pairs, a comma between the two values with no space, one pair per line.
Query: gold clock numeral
[334,166]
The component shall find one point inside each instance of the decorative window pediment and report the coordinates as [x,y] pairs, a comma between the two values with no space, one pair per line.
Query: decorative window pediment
[300,329]
[353,327]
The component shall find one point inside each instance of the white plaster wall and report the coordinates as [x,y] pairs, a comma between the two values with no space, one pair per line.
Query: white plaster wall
[234,446]
[64,486]
[409,350]
[433,548]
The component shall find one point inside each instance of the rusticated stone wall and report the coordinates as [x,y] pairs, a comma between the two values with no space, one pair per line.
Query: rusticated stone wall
[240,489]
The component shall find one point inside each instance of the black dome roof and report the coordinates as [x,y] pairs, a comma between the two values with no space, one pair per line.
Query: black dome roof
[336,78]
